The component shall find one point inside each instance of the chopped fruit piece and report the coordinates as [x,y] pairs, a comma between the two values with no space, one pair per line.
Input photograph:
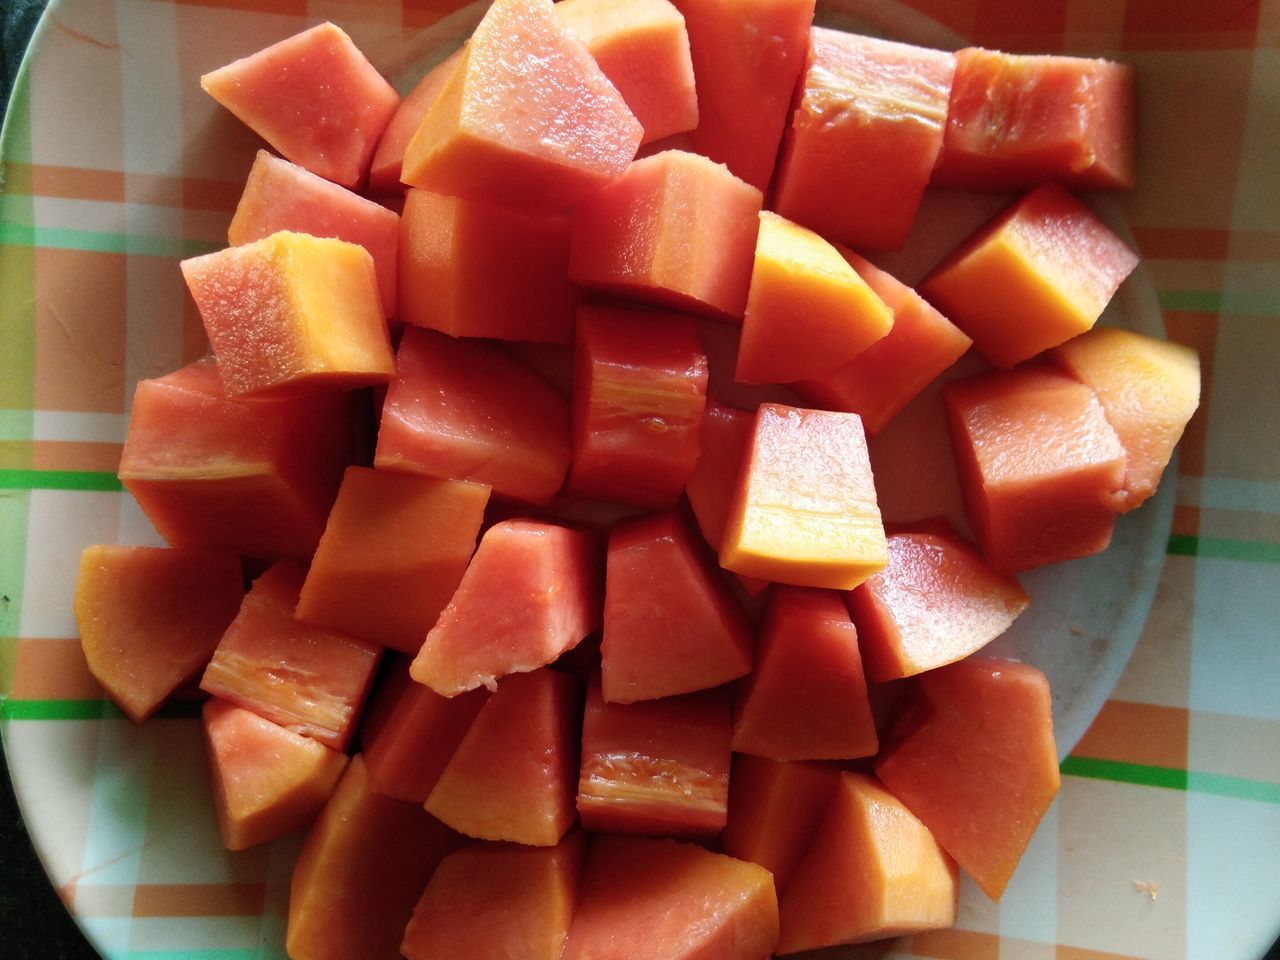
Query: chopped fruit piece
[384,170]
[150,618]
[725,435]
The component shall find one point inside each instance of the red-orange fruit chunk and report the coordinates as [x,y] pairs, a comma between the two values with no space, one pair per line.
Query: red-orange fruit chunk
[666,900]
[874,871]
[392,554]
[307,679]
[314,97]
[977,763]
[252,477]
[527,118]
[492,902]
[532,592]
[1041,470]
[365,862]
[150,618]
[935,603]
[671,623]
[513,776]
[384,170]
[657,766]
[267,781]
[806,699]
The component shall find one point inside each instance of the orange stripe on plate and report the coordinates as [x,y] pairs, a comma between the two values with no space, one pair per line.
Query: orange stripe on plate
[423,13]
[71,183]
[75,455]
[956,944]
[1261,245]
[52,669]
[1186,521]
[1079,953]
[1160,243]
[199,900]
[1137,733]
[291,7]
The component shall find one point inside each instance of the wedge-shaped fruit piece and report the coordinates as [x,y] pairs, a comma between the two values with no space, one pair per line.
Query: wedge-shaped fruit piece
[392,554]
[864,137]
[676,230]
[150,618]
[513,776]
[656,767]
[308,679]
[775,808]
[1037,275]
[726,432]
[1148,389]
[527,119]
[292,311]
[1041,470]
[935,603]
[475,269]
[807,697]
[410,732]
[492,902]
[894,370]
[808,311]
[467,410]
[666,900]
[532,592]
[873,871]
[362,868]
[671,623]
[643,48]
[805,511]
[747,56]
[252,477]
[267,781]
[314,97]
[977,763]
[639,392]
[282,196]
[384,170]
[1016,121]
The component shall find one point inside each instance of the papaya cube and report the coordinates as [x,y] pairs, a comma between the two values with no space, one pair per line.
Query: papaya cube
[874,871]
[935,603]
[314,97]
[466,410]
[292,311]
[527,119]
[977,763]
[657,766]
[365,862]
[1041,470]
[666,900]
[267,781]
[492,901]
[894,370]
[643,48]
[410,732]
[475,269]
[747,57]
[513,775]
[864,137]
[281,196]
[726,432]
[775,807]
[671,622]
[808,311]
[1037,275]
[676,230]
[639,392]
[307,679]
[807,697]
[150,618]
[245,476]
[805,509]
[384,170]
[1149,389]
[1017,120]
[531,592]
[392,554]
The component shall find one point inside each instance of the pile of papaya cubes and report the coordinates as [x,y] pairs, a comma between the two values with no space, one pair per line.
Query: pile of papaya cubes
[554,651]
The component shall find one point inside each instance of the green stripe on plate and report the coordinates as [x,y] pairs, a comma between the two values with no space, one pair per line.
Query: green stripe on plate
[63,238]
[89,710]
[1212,301]
[1247,550]
[58,480]
[1117,771]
